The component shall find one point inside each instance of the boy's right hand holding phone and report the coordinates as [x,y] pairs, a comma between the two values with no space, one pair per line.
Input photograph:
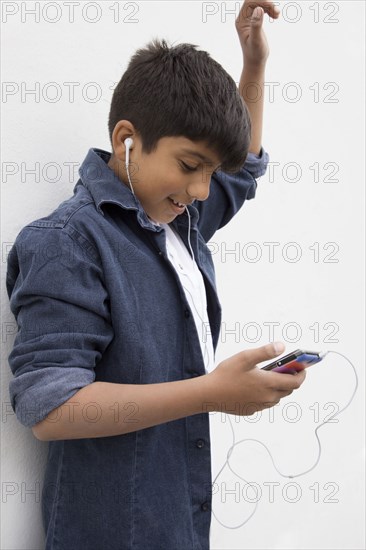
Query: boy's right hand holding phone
[239,387]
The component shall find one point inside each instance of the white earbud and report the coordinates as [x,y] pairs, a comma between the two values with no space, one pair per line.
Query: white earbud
[128,143]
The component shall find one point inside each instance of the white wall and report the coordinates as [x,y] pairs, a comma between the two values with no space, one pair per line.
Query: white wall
[316,302]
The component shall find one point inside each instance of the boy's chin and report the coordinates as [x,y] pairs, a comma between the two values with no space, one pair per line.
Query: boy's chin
[159,219]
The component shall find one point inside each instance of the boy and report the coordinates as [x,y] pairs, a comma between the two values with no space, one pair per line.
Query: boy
[112,291]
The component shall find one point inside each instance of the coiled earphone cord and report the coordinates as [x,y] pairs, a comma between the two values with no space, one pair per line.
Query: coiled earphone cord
[290,476]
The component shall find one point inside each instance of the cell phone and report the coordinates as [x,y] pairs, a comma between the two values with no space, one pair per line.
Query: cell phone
[294,362]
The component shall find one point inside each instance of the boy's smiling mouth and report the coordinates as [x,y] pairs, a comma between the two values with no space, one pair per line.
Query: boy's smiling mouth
[177,207]
[176,202]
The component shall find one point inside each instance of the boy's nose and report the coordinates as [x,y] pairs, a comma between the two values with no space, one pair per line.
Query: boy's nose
[199,187]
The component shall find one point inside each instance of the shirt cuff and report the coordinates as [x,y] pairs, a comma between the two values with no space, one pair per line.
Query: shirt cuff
[257,164]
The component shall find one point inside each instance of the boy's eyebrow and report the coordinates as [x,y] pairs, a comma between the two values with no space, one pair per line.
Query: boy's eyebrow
[197,154]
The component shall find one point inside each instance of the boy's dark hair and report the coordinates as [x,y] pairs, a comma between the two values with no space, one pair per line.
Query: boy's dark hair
[181,91]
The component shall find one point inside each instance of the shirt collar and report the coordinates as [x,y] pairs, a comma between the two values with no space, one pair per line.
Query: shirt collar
[105,187]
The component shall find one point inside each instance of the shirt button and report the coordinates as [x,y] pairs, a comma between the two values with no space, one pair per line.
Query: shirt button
[205,506]
[200,443]
[186,313]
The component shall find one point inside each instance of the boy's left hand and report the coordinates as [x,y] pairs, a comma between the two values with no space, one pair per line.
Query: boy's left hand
[249,28]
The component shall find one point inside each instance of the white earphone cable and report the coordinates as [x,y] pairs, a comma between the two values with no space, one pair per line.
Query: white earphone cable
[290,476]
[128,173]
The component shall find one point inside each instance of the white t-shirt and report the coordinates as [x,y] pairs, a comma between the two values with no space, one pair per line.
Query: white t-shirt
[194,288]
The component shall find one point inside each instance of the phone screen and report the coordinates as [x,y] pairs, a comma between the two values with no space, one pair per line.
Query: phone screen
[294,362]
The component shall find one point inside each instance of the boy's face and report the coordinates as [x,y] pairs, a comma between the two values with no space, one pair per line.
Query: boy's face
[160,177]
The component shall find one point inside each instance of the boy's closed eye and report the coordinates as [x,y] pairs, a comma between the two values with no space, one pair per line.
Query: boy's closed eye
[187,168]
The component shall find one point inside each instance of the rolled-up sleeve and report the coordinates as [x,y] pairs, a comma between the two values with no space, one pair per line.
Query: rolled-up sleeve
[228,192]
[58,297]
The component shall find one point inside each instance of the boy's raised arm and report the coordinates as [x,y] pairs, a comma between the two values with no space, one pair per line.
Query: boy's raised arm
[249,26]
[229,191]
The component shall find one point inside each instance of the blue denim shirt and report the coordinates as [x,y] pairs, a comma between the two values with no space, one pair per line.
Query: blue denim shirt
[96,299]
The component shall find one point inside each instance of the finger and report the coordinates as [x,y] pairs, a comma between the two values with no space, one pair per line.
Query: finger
[248,8]
[272,10]
[257,355]
[286,382]
[257,19]
[268,404]
[300,376]
[285,393]
[268,7]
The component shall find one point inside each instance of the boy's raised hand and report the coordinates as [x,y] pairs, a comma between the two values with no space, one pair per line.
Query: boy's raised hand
[249,28]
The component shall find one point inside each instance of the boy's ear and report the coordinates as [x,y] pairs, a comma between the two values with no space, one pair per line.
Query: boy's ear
[122,131]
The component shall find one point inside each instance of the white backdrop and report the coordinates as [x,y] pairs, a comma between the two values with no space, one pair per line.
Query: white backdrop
[290,265]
